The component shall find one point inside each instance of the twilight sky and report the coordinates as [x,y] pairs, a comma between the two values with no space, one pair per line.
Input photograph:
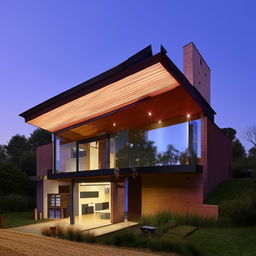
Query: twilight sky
[49,46]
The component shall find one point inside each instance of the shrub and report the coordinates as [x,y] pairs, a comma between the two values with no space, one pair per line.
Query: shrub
[15,203]
[242,211]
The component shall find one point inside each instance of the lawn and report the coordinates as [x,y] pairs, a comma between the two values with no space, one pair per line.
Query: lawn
[237,241]
[16,219]
[231,189]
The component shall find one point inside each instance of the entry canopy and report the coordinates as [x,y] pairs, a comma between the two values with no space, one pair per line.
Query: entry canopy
[143,83]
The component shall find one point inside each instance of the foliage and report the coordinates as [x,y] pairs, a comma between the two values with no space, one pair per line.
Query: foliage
[70,233]
[251,135]
[242,211]
[243,167]
[15,203]
[238,150]
[16,150]
[166,217]
[12,180]
[230,133]
[38,138]
[215,241]
[230,189]
[252,152]
[170,157]
[2,153]
[133,238]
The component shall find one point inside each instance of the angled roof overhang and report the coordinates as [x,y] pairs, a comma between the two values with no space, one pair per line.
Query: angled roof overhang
[142,78]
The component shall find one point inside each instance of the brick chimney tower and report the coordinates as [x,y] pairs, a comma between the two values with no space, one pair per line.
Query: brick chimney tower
[196,70]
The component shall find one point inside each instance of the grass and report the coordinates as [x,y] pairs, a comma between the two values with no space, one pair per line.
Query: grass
[16,219]
[225,241]
[70,233]
[235,188]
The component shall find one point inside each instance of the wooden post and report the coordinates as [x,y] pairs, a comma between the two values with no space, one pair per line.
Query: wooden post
[125,199]
[72,214]
[35,214]
[53,231]
[40,215]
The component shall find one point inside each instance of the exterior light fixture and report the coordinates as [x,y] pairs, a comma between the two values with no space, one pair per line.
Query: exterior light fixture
[188,115]
[149,114]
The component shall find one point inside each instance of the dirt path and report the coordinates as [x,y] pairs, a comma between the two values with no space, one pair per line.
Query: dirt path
[14,243]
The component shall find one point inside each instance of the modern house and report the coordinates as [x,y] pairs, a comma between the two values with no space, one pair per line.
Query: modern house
[135,140]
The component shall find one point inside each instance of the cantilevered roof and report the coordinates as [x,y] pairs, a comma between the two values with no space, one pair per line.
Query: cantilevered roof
[141,77]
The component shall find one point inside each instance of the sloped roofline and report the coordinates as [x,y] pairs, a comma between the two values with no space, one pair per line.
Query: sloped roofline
[136,62]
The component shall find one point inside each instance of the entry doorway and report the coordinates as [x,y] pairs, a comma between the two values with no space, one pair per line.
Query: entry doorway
[94,202]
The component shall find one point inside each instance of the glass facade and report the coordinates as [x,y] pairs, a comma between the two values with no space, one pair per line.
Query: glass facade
[153,145]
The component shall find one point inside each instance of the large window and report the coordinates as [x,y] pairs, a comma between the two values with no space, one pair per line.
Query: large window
[157,144]
[65,155]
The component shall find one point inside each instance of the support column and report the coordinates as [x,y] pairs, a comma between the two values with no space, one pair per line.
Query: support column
[72,214]
[126,198]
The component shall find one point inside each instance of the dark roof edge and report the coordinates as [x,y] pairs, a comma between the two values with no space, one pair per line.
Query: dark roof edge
[124,68]
[181,78]
[133,60]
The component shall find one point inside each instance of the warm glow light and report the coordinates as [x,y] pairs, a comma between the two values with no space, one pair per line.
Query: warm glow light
[149,113]
[188,115]
[149,82]
[114,124]
[159,121]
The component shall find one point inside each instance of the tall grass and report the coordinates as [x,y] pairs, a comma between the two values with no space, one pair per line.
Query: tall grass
[171,219]
[70,233]
[133,238]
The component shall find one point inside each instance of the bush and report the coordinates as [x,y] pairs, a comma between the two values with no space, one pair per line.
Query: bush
[241,211]
[15,203]
[243,167]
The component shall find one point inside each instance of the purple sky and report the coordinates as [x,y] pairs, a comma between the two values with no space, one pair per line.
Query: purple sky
[47,47]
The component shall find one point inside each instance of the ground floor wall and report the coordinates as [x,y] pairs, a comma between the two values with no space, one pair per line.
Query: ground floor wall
[181,193]
[50,187]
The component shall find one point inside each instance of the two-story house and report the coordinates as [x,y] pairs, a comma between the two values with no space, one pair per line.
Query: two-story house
[135,140]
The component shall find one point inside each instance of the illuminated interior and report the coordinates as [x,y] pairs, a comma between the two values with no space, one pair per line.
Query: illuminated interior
[156,144]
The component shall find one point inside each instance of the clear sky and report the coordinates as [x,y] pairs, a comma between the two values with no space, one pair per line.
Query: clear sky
[47,47]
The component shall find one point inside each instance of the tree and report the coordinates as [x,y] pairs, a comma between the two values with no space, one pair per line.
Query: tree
[12,181]
[251,135]
[252,152]
[238,150]
[38,138]
[2,153]
[169,157]
[230,133]
[16,149]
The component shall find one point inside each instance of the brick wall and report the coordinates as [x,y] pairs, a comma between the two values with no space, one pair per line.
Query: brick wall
[181,193]
[117,202]
[196,70]
[216,156]
[44,159]
[134,198]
